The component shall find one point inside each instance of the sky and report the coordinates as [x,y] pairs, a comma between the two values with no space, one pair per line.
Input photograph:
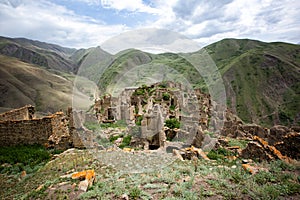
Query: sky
[89,23]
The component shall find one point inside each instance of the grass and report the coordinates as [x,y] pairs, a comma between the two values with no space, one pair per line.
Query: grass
[237,142]
[179,180]
[13,160]
[95,126]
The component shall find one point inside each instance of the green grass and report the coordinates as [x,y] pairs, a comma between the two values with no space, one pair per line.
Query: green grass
[95,126]
[237,142]
[19,158]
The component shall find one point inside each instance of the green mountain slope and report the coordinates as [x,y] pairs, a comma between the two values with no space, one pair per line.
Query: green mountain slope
[91,62]
[134,68]
[261,79]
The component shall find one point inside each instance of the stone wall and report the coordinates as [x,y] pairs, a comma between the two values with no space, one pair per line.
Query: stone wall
[24,113]
[36,131]
[60,137]
[54,131]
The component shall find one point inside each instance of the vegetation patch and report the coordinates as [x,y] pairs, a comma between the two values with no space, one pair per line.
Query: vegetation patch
[172,123]
[27,157]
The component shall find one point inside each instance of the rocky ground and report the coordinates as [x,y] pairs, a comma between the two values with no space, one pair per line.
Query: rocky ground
[224,175]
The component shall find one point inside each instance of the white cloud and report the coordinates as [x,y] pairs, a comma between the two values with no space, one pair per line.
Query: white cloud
[206,22]
[203,21]
[49,22]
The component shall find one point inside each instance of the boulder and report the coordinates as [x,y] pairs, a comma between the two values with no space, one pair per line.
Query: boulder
[290,145]
[277,133]
[198,140]
[83,185]
[260,149]
[256,151]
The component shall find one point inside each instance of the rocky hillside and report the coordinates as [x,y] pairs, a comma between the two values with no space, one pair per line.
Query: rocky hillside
[42,75]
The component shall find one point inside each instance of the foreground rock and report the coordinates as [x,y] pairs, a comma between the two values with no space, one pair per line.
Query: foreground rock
[87,179]
[189,153]
[260,150]
[290,145]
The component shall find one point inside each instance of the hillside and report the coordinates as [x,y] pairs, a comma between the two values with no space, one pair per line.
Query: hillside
[261,79]
[135,68]
[48,56]
[22,83]
[91,62]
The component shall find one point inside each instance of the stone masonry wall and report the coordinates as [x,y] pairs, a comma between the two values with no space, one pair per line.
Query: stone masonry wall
[51,131]
[24,113]
[36,131]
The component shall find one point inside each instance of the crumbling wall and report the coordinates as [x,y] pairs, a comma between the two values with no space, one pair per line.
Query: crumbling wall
[24,113]
[60,137]
[36,131]
[18,127]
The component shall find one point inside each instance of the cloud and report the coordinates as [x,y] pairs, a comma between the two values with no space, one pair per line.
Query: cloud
[210,21]
[127,5]
[151,39]
[66,23]
[45,21]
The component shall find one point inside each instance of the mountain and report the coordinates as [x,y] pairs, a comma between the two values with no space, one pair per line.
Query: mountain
[49,56]
[42,75]
[261,79]
[134,68]
[91,62]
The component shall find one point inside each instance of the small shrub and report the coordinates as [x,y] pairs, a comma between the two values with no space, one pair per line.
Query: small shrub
[172,123]
[126,141]
[166,96]
[139,91]
[135,192]
[219,153]
[114,138]
[139,120]
[172,107]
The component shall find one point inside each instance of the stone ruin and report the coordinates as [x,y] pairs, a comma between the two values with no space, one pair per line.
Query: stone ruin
[151,106]
[20,127]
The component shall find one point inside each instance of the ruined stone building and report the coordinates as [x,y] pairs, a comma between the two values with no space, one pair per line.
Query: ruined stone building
[20,127]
